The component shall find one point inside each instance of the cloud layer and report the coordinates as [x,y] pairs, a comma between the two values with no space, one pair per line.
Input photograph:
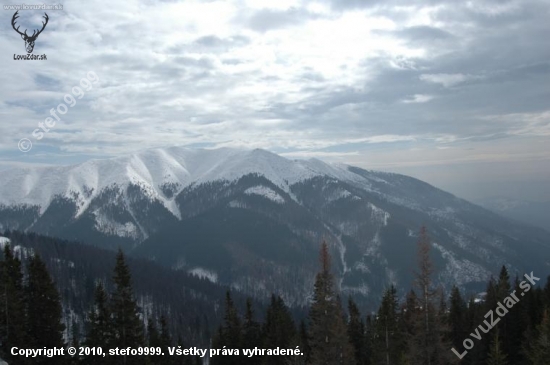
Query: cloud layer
[383,84]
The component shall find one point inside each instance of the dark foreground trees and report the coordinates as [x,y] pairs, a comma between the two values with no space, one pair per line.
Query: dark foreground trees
[13,331]
[30,314]
[329,341]
[420,328]
[427,343]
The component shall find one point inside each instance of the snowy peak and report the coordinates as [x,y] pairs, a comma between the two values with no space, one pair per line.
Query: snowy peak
[160,173]
[242,212]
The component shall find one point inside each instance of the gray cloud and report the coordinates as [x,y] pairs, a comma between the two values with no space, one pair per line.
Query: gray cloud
[268,19]
[368,81]
[421,35]
[214,42]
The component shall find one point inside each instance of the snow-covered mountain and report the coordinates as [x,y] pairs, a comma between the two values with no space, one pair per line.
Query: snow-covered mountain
[160,173]
[254,220]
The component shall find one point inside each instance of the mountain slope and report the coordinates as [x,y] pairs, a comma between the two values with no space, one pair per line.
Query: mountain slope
[254,220]
[529,212]
[191,304]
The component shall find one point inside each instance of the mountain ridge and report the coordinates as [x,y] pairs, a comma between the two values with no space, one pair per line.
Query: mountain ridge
[156,169]
[253,220]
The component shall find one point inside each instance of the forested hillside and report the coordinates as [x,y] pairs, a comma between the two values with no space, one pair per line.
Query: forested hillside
[119,307]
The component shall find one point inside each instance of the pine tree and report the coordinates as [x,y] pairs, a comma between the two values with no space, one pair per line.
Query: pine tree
[388,339]
[44,312]
[426,346]
[279,330]
[539,351]
[492,296]
[504,327]
[475,313]
[457,318]
[304,343]
[128,327]
[369,339]
[218,343]
[12,311]
[356,333]
[503,285]
[153,340]
[330,344]
[229,334]
[165,340]
[251,333]
[496,353]
[100,327]
[517,327]
[75,342]
[410,312]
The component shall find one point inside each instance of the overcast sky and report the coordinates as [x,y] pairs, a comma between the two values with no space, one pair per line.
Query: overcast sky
[454,93]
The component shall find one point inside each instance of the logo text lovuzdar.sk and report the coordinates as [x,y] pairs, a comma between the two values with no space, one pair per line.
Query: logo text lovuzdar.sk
[29,39]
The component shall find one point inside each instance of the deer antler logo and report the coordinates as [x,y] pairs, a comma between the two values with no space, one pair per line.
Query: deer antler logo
[29,40]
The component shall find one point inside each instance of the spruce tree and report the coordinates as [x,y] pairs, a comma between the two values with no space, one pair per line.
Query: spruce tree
[279,330]
[12,310]
[475,313]
[230,334]
[457,318]
[304,343]
[100,326]
[427,346]
[217,343]
[127,324]
[153,340]
[75,342]
[251,333]
[496,353]
[356,333]
[503,285]
[330,343]
[517,327]
[410,312]
[538,351]
[369,339]
[388,339]
[505,325]
[44,312]
[165,340]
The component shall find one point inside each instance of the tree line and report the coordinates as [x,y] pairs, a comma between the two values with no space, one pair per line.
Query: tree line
[419,330]
[422,329]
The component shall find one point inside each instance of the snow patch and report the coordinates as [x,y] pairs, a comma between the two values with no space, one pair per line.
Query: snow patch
[3,242]
[461,271]
[237,204]
[362,267]
[18,251]
[111,227]
[362,290]
[379,215]
[373,248]
[265,192]
[339,194]
[204,274]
